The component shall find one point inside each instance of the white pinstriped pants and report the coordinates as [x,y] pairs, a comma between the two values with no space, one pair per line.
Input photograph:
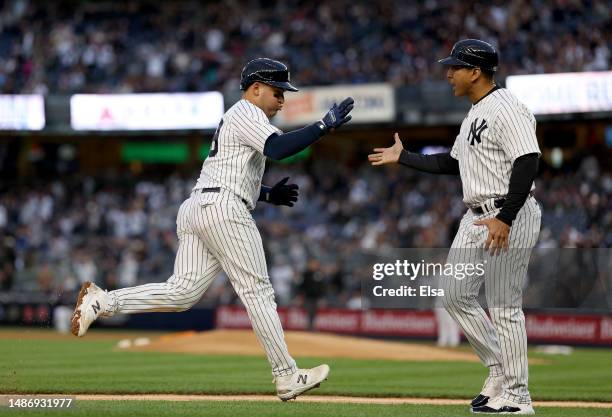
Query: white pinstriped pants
[216,232]
[501,341]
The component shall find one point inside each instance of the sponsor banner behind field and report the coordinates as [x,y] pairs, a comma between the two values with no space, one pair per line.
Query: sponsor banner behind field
[564,328]
[541,327]
[373,103]
[573,92]
[156,111]
[22,112]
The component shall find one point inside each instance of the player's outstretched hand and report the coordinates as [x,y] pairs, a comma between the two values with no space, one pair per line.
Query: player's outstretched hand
[390,155]
[338,114]
[283,194]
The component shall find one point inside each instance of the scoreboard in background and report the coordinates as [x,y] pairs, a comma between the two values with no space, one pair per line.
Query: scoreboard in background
[22,112]
[573,92]
[158,111]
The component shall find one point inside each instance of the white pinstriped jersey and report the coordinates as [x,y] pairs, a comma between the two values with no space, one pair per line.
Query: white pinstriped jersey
[236,161]
[497,130]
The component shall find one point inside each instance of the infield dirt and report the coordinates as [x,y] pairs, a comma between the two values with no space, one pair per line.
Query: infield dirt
[303,344]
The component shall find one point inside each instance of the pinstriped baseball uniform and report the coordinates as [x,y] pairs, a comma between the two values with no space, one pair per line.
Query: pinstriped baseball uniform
[497,130]
[238,164]
[216,231]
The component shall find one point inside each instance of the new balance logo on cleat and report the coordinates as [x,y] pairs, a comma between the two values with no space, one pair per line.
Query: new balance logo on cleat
[96,307]
[290,386]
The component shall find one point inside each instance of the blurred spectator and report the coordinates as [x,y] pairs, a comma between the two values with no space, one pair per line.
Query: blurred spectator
[312,288]
[282,276]
[316,249]
[7,262]
[83,267]
[146,46]
[449,334]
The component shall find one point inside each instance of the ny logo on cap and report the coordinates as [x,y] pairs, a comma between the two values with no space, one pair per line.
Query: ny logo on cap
[475,132]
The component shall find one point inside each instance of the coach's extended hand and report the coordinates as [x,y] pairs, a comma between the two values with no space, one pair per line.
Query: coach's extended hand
[338,114]
[388,155]
[282,194]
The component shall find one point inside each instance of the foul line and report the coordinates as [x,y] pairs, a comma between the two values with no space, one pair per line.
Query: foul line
[323,399]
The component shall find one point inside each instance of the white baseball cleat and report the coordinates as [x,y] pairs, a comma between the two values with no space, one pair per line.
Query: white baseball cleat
[290,386]
[91,303]
[492,388]
[499,405]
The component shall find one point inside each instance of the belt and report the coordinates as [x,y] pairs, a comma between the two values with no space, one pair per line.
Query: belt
[486,207]
[216,190]
[496,204]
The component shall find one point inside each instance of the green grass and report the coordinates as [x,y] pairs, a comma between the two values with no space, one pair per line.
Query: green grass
[68,366]
[291,409]
[91,366]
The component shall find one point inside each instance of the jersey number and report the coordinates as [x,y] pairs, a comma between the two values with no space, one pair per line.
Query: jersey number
[214,148]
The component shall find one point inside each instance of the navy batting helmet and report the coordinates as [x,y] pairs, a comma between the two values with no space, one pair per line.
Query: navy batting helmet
[267,71]
[473,53]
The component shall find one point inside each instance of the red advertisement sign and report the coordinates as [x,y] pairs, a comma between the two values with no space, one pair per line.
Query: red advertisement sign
[541,328]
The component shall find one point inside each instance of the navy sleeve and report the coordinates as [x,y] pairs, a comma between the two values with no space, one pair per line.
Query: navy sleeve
[264,193]
[524,171]
[281,146]
[439,163]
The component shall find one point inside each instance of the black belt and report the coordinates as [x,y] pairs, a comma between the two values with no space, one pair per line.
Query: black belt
[499,203]
[216,190]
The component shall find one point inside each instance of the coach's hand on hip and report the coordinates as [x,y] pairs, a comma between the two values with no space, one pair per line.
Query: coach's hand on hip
[390,155]
[498,235]
[338,115]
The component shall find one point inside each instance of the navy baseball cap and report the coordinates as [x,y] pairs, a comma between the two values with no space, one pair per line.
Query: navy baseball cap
[267,71]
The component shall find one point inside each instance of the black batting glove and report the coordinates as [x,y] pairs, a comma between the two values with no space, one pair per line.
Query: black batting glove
[280,194]
[337,115]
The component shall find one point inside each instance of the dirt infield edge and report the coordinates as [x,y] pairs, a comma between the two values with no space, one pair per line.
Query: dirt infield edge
[324,399]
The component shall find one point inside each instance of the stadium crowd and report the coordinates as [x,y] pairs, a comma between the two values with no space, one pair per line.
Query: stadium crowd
[146,46]
[121,232]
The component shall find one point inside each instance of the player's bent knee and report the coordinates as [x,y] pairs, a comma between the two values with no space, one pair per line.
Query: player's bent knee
[182,297]
[457,302]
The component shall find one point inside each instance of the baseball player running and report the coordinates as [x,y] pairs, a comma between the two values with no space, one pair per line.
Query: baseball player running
[496,155]
[216,230]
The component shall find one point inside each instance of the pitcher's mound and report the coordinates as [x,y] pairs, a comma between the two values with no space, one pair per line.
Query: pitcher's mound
[301,344]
